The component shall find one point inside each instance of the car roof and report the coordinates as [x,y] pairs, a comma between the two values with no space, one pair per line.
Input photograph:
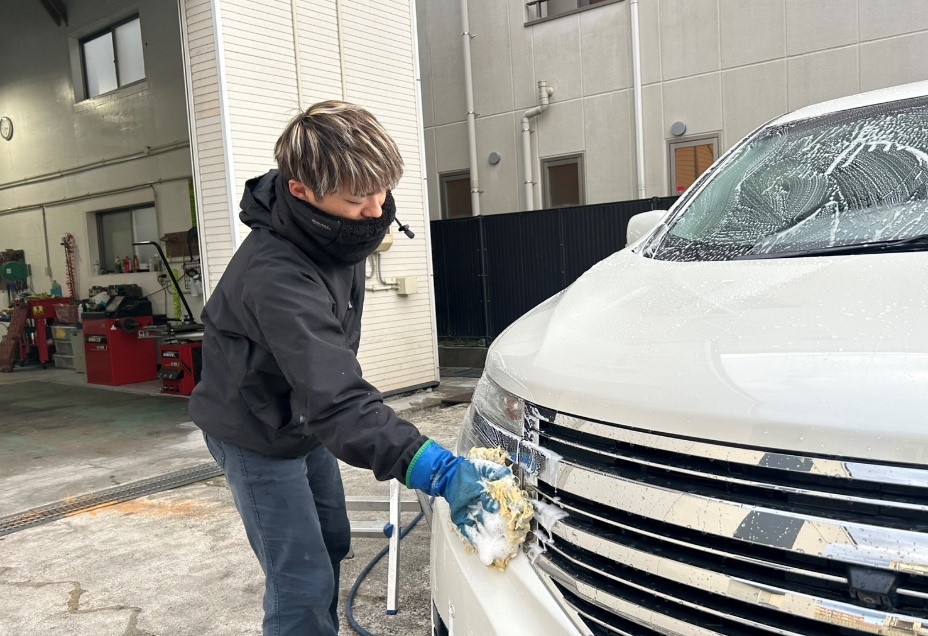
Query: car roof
[890,94]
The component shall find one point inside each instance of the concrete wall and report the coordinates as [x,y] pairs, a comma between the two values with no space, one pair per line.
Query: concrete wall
[251,71]
[722,67]
[64,154]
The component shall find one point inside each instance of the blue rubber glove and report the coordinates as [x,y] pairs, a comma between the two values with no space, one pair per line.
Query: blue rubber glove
[437,471]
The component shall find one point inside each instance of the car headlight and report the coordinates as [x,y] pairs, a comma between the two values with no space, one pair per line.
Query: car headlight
[495,418]
[499,406]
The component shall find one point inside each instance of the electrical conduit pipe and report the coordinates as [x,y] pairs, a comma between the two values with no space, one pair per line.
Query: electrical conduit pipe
[471,114]
[636,85]
[544,92]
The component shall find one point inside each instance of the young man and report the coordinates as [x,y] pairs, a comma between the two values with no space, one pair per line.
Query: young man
[281,393]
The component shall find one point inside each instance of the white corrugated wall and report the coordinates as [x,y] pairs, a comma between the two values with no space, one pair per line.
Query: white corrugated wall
[320,58]
[207,135]
[362,51]
[398,342]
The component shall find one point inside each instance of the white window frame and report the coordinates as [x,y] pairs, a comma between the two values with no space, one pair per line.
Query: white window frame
[111,30]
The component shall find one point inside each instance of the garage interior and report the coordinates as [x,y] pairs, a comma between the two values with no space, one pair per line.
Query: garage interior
[99,255]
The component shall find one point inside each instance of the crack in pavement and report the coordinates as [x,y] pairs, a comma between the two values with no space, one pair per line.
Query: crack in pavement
[74,599]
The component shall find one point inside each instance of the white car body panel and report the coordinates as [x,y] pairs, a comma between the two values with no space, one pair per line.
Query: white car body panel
[892,93]
[514,601]
[825,355]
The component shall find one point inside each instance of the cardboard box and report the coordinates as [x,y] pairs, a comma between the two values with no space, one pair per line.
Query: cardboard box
[175,245]
[70,314]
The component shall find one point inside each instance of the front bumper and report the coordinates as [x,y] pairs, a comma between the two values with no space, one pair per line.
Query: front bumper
[474,599]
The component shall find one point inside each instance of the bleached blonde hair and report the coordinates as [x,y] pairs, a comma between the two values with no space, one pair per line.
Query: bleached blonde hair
[335,145]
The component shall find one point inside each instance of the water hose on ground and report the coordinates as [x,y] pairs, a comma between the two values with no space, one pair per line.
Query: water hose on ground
[349,602]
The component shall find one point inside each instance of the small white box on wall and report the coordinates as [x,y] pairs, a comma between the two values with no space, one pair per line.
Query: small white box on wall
[407,285]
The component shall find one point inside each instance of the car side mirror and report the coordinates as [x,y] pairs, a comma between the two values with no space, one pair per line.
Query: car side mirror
[642,224]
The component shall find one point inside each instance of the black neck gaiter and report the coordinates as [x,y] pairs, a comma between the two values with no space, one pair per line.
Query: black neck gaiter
[344,241]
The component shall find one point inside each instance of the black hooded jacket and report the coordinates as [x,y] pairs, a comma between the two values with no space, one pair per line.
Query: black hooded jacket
[280,373]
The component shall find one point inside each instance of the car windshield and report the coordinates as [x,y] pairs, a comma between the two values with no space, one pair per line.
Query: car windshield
[818,185]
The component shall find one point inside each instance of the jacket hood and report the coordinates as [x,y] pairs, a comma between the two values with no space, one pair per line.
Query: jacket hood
[262,207]
[258,201]
[267,202]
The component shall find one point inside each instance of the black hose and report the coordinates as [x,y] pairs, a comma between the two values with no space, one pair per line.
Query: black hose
[349,602]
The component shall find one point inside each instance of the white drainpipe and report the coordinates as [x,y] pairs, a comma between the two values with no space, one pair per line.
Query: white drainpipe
[471,115]
[636,90]
[544,92]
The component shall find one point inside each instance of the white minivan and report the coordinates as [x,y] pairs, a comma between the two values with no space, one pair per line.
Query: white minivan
[732,411]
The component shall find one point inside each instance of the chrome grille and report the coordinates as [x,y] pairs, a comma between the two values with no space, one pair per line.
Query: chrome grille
[675,536]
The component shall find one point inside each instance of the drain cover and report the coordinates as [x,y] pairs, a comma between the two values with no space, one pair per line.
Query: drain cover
[108,497]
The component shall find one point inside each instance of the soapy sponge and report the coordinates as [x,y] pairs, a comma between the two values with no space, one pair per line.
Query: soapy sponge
[502,519]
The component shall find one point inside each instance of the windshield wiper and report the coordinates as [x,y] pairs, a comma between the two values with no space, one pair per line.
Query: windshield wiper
[909,244]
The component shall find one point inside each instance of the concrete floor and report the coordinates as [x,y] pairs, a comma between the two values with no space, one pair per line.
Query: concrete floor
[175,562]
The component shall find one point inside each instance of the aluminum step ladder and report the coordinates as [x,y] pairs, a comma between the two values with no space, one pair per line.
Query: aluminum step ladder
[10,345]
[391,530]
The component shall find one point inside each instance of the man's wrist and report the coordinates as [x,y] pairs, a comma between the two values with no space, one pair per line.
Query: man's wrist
[422,467]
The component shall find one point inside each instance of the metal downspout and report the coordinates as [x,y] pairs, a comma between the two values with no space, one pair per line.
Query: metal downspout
[472,156]
[527,161]
[636,90]
[471,115]
[544,93]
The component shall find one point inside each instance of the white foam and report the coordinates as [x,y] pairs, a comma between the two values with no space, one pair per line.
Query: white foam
[490,540]
[547,515]
[490,535]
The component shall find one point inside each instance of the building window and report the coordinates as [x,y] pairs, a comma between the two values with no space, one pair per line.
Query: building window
[112,58]
[689,159]
[455,195]
[117,230]
[563,181]
[544,9]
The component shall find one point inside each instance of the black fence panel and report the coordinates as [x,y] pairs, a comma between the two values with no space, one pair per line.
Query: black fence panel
[456,261]
[593,232]
[524,264]
[489,270]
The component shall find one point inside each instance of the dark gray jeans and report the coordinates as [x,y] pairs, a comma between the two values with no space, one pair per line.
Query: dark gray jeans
[295,518]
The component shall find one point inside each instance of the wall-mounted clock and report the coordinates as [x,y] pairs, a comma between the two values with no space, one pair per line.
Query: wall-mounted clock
[6,128]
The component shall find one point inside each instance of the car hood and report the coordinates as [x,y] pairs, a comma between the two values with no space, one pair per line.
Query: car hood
[821,355]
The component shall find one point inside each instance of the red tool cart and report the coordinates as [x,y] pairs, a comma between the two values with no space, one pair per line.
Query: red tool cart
[37,334]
